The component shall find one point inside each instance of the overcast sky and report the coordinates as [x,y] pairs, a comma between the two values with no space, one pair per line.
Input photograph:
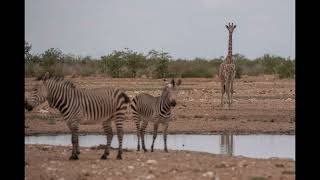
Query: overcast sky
[184,28]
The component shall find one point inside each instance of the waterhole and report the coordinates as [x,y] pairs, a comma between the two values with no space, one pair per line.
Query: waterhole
[256,146]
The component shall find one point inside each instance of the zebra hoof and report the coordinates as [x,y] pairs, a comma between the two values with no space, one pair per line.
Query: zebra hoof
[166,150]
[74,157]
[78,152]
[145,150]
[119,157]
[104,157]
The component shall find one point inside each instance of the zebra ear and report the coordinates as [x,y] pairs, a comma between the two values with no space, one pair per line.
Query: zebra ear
[46,76]
[173,82]
[166,81]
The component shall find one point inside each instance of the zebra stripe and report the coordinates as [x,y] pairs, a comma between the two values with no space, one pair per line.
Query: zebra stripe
[146,107]
[76,104]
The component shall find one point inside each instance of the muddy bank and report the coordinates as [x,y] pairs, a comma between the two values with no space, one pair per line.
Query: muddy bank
[262,104]
[37,127]
[51,162]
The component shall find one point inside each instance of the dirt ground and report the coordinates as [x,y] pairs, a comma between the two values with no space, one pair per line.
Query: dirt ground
[263,104]
[51,162]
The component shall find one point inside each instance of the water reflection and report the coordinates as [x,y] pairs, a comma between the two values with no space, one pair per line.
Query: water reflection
[226,144]
[257,146]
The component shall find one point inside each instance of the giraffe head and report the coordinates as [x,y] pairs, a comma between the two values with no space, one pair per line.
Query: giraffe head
[231,27]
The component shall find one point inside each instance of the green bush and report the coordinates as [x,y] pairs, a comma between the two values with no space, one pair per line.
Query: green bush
[156,64]
[113,63]
[197,73]
[135,62]
[160,61]
[286,69]
[238,72]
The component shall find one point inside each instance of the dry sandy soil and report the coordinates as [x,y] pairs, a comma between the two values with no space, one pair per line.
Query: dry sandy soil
[262,104]
[51,162]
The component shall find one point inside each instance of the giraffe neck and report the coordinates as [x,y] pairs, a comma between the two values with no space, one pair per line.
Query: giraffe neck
[229,56]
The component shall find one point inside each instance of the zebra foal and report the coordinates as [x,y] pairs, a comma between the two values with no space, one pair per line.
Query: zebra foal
[146,107]
[104,104]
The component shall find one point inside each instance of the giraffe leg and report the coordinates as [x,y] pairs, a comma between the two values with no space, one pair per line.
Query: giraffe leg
[166,125]
[108,131]
[232,91]
[222,93]
[228,91]
[142,131]
[155,132]
[73,125]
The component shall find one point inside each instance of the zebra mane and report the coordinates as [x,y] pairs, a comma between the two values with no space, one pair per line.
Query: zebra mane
[164,91]
[59,79]
[64,81]
[44,77]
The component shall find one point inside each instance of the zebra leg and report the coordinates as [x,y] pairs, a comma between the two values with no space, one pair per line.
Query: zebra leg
[74,128]
[78,149]
[142,131]
[155,132]
[118,122]
[165,136]
[137,120]
[108,131]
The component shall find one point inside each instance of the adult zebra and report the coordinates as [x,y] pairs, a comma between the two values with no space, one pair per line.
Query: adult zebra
[76,104]
[146,107]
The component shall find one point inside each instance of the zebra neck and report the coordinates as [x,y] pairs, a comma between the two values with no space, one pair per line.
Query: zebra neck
[61,98]
[164,106]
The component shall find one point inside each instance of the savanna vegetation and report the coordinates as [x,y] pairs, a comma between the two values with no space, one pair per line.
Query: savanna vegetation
[154,64]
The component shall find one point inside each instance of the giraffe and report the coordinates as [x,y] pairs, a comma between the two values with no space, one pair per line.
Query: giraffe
[227,70]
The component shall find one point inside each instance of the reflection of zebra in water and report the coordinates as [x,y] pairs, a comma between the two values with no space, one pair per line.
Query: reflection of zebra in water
[157,109]
[78,104]
[226,144]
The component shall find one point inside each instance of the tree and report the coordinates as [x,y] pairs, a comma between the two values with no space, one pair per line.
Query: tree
[239,61]
[270,63]
[27,49]
[51,61]
[286,69]
[161,61]
[51,56]
[134,61]
[112,63]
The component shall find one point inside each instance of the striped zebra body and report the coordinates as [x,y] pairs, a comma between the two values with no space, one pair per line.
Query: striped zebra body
[146,107]
[76,105]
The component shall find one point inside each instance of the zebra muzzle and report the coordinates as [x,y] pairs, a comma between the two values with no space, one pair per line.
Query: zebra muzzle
[173,103]
[27,106]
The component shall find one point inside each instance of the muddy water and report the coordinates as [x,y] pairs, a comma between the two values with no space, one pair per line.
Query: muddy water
[256,146]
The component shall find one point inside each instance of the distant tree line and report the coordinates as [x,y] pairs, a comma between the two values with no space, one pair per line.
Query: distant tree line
[154,64]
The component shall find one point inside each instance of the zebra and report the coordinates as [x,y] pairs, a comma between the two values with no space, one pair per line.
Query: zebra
[75,104]
[146,107]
